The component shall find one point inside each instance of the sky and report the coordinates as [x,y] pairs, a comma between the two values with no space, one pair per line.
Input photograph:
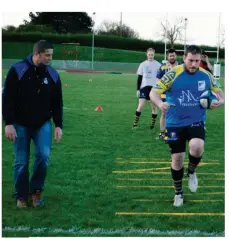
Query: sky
[202,28]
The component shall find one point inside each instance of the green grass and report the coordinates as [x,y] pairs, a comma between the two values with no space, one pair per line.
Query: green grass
[82,190]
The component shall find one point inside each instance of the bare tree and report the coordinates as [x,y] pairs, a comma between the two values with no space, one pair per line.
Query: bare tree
[174,31]
[114,28]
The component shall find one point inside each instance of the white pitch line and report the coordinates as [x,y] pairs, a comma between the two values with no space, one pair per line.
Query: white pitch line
[168,214]
[148,186]
[114,231]
[191,194]
[162,159]
[186,163]
[168,173]
[158,200]
[163,179]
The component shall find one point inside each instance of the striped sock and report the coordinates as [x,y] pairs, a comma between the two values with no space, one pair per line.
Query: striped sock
[154,118]
[136,118]
[177,176]
[193,163]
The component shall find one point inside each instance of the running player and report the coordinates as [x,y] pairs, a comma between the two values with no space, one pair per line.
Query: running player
[184,117]
[147,73]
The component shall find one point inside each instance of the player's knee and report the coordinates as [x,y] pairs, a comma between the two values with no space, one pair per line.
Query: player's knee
[154,110]
[140,105]
[139,109]
[177,160]
[178,157]
[196,147]
[43,154]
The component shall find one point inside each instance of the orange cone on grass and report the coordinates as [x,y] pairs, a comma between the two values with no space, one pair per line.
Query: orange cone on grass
[99,108]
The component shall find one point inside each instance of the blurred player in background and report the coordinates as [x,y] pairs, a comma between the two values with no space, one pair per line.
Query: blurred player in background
[205,63]
[165,67]
[147,73]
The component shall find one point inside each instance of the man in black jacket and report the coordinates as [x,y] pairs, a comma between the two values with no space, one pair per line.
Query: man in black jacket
[32,95]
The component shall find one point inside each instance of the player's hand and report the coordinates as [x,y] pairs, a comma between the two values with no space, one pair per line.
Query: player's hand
[58,134]
[138,93]
[10,132]
[216,104]
[164,106]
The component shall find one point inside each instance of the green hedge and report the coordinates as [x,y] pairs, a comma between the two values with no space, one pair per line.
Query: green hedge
[113,42]
[18,50]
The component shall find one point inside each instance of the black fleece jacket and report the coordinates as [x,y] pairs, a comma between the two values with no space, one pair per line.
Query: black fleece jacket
[32,95]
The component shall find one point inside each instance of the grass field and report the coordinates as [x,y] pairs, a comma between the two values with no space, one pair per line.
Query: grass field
[105,179]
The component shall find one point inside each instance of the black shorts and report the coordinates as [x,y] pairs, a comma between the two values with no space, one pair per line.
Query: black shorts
[144,92]
[176,137]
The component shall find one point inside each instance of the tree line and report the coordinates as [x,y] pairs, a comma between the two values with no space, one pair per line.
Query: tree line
[82,23]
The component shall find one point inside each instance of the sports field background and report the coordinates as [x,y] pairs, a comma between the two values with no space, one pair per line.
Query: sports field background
[105,179]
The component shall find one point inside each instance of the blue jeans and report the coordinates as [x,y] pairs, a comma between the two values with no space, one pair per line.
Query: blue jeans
[42,138]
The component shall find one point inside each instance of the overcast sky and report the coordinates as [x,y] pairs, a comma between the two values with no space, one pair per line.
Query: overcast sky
[202,28]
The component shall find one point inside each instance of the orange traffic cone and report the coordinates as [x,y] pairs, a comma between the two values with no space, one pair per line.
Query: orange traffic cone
[99,108]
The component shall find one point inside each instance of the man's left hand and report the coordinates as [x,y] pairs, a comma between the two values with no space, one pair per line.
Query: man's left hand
[58,134]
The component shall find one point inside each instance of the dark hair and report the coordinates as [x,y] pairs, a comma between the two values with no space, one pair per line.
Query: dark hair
[203,52]
[192,49]
[41,46]
[171,50]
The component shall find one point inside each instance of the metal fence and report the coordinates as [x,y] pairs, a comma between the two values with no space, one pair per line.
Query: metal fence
[84,65]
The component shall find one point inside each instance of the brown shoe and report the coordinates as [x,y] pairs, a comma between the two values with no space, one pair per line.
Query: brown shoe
[36,199]
[21,203]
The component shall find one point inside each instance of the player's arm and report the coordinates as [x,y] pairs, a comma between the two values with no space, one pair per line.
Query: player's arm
[210,67]
[139,82]
[8,103]
[163,85]
[139,79]
[160,73]
[8,96]
[215,87]
[57,105]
